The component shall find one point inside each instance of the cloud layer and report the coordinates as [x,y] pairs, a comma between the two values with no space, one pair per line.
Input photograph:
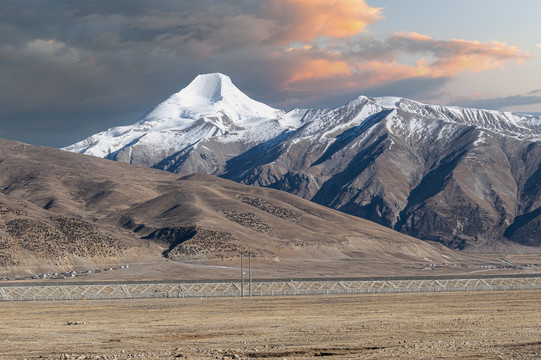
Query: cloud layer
[308,20]
[73,69]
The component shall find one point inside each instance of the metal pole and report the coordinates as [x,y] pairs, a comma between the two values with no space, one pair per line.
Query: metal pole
[250,268]
[241,273]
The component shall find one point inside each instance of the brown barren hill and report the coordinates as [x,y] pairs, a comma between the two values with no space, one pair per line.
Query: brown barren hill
[62,210]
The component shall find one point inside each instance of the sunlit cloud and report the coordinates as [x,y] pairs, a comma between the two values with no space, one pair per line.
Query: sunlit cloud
[475,56]
[305,47]
[307,20]
[539,46]
[457,55]
[414,36]
[378,62]
[320,69]
[378,72]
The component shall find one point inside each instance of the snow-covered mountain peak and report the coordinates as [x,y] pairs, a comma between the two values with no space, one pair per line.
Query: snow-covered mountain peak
[210,106]
[212,95]
[209,87]
[393,160]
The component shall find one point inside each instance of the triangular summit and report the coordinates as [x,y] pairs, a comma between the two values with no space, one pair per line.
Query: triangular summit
[212,87]
[212,95]
[210,106]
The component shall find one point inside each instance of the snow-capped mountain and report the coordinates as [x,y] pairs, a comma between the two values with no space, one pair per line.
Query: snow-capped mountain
[209,107]
[464,177]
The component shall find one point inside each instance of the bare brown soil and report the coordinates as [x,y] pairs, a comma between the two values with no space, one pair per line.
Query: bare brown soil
[499,325]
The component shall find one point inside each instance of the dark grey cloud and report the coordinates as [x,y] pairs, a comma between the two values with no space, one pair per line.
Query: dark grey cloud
[420,88]
[499,103]
[72,68]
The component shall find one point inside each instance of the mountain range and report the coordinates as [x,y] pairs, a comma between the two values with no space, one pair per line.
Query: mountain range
[60,210]
[467,178]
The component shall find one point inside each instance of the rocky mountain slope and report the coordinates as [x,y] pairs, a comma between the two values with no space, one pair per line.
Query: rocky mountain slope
[62,210]
[468,178]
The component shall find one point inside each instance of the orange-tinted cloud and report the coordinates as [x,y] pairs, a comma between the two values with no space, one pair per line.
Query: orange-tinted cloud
[435,59]
[355,74]
[456,55]
[475,56]
[307,20]
[318,69]
[539,46]
[377,72]
[305,47]
[414,35]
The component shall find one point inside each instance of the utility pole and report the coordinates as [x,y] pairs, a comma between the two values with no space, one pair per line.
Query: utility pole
[241,272]
[242,254]
[250,268]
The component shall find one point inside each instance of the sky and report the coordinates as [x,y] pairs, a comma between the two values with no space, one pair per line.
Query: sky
[70,69]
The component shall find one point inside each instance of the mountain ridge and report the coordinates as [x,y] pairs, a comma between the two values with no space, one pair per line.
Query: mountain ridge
[467,178]
[60,210]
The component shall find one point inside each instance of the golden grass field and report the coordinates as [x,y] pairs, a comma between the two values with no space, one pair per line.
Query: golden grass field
[476,325]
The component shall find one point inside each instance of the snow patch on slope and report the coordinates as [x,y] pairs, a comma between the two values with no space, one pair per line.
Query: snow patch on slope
[389,102]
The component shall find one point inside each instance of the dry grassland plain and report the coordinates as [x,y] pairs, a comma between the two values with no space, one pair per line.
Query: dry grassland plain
[476,325]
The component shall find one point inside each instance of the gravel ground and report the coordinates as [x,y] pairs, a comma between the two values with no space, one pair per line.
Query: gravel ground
[496,325]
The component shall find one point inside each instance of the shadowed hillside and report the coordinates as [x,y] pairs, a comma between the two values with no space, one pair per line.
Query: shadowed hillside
[63,209]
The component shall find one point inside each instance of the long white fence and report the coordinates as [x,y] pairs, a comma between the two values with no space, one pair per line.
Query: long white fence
[182,289]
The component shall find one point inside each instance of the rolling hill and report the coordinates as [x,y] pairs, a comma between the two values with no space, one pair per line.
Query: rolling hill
[467,178]
[63,210]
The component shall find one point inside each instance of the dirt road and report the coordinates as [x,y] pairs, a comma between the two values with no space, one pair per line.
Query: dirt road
[497,325]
